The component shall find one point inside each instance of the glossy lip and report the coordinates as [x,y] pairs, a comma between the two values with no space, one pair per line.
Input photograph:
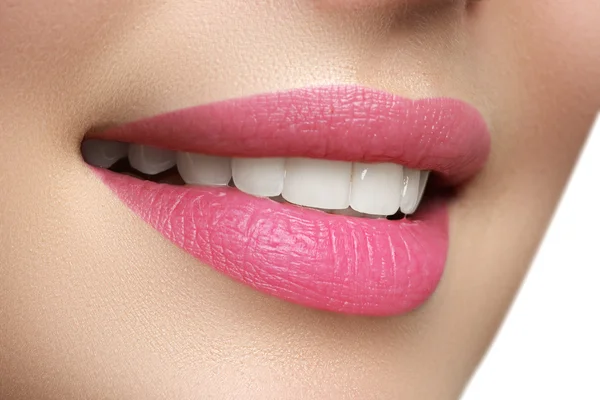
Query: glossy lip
[330,262]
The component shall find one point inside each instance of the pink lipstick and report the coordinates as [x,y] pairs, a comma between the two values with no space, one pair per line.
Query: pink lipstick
[331,262]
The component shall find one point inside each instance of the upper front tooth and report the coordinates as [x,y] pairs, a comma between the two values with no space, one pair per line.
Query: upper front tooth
[200,169]
[316,183]
[410,190]
[103,153]
[376,188]
[259,176]
[150,160]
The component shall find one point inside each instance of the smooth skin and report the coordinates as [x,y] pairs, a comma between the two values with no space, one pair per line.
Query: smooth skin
[95,304]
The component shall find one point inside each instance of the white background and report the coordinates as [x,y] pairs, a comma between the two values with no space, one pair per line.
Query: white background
[549,346]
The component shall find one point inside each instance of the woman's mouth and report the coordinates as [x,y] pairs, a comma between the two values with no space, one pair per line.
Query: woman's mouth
[289,192]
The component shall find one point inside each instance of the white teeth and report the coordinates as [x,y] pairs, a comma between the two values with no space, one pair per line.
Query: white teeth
[315,183]
[199,169]
[376,188]
[261,177]
[410,191]
[339,187]
[150,160]
[103,153]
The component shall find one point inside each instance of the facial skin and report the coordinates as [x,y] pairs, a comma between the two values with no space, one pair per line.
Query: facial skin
[96,304]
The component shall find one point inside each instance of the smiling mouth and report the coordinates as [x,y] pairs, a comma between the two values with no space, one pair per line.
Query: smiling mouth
[224,182]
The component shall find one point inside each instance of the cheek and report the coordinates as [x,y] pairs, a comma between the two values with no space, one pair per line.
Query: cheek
[539,69]
[564,39]
[546,49]
[55,38]
[560,61]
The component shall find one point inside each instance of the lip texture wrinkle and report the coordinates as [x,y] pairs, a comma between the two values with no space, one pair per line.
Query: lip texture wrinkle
[330,262]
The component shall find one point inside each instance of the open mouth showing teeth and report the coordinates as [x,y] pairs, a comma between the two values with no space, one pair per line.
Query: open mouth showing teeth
[365,227]
[370,190]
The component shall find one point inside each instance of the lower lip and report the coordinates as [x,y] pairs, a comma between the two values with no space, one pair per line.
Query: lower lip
[329,262]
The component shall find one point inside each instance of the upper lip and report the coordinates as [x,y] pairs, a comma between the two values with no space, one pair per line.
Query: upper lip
[347,123]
